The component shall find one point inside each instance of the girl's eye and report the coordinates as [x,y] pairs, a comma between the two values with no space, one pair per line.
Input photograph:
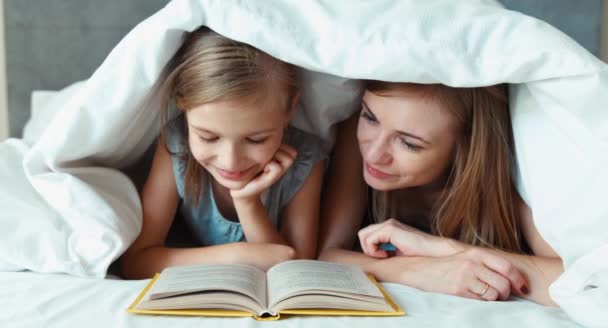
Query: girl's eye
[257,141]
[366,116]
[208,140]
[411,147]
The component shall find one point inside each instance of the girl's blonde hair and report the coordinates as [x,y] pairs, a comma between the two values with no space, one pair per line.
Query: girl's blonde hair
[209,67]
[479,204]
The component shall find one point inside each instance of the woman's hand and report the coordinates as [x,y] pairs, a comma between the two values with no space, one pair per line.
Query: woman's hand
[474,273]
[408,241]
[273,171]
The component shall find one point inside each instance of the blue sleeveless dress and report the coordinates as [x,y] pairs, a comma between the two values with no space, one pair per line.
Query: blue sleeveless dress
[204,220]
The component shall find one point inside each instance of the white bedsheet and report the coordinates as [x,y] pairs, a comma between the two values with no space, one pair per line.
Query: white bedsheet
[29,299]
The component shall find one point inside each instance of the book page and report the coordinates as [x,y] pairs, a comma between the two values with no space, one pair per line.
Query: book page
[289,278]
[244,279]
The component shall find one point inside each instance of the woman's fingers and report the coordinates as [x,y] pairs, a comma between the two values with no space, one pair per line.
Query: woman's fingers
[363,235]
[370,237]
[505,268]
[501,288]
[483,291]
[471,295]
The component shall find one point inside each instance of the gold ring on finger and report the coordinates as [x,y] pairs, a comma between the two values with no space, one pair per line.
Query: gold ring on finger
[484,290]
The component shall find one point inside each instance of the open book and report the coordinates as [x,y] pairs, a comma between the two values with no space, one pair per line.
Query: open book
[292,287]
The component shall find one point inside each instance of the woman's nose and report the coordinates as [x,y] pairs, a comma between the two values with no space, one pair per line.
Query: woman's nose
[378,152]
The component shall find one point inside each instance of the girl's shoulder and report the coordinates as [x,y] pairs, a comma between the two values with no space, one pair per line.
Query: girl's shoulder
[310,152]
[308,145]
[174,135]
[176,142]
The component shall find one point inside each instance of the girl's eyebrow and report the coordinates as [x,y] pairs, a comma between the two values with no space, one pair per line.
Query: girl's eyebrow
[200,129]
[408,134]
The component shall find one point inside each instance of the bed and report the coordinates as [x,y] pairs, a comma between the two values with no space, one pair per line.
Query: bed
[30,299]
[57,235]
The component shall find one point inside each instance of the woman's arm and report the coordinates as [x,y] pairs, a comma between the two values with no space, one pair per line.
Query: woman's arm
[544,267]
[344,199]
[148,255]
[464,274]
[300,219]
[540,270]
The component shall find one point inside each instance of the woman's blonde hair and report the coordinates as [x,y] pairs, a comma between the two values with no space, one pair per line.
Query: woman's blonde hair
[479,204]
[209,67]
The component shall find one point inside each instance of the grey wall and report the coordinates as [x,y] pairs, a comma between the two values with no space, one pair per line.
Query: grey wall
[580,19]
[52,43]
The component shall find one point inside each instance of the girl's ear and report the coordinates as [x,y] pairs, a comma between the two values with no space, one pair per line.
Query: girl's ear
[294,102]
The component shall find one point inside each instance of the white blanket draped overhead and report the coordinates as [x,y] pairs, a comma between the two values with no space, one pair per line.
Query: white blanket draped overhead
[559,110]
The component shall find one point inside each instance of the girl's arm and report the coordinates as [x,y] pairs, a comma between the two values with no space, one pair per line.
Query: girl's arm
[344,199]
[148,255]
[257,225]
[252,214]
[300,219]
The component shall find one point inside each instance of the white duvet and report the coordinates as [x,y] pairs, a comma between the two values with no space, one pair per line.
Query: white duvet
[65,208]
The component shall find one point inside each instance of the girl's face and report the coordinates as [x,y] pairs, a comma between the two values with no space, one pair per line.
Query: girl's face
[405,140]
[234,140]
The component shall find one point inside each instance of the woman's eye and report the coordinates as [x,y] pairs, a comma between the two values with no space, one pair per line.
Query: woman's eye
[410,146]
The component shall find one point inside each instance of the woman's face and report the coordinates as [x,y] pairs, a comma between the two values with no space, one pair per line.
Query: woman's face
[406,140]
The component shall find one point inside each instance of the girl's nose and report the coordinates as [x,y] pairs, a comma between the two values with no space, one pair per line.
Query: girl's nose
[228,157]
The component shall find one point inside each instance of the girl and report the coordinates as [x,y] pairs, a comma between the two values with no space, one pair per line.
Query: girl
[245,182]
[440,164]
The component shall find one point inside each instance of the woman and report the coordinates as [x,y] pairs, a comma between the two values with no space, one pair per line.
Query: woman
[440,164]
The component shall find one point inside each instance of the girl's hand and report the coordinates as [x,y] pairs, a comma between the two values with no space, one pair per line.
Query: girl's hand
[261,255]
[273,171]
[474,273]
[408,241]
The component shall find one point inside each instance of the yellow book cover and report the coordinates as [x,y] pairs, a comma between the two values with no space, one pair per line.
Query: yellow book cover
[300,287]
